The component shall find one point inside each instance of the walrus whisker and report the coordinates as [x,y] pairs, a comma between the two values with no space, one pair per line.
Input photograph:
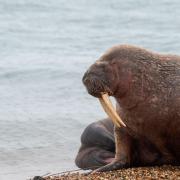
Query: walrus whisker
[109,109]
[99,85]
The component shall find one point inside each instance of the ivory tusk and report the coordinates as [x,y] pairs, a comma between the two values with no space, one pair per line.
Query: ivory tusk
[110,110]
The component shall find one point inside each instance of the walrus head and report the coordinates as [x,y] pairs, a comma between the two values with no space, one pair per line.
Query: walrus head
[100,78]
[110,75]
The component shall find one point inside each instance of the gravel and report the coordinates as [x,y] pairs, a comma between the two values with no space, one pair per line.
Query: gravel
[163,172]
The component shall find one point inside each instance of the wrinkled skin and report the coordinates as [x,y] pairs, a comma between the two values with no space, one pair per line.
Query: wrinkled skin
[146,87]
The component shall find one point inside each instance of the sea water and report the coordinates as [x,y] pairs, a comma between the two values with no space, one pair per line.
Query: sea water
[45,47]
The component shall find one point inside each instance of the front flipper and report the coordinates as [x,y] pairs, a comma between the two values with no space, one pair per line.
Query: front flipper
[115,165]
[122,159]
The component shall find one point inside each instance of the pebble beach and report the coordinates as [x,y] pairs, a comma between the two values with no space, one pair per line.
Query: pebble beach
[163,172]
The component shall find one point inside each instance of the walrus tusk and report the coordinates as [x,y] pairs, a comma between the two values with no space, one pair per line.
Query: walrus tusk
[110,110]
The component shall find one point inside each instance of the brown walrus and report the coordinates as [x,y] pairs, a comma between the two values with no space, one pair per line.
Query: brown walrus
[146,87]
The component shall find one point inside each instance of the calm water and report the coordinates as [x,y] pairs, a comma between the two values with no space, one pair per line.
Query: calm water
[45,47]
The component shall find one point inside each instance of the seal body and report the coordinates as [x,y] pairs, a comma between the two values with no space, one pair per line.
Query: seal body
[146,86]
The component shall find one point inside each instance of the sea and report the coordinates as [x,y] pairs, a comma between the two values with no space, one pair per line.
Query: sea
[45,48]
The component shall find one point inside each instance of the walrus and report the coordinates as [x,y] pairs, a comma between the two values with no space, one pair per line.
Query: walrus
[146,88]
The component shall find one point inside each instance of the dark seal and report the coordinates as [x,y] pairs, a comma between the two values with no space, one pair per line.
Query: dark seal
[146,87]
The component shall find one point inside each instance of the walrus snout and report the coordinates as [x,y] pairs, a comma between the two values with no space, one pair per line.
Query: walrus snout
[94,86]
[96,81]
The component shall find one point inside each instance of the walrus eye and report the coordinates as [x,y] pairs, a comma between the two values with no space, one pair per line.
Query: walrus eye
[110,110]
